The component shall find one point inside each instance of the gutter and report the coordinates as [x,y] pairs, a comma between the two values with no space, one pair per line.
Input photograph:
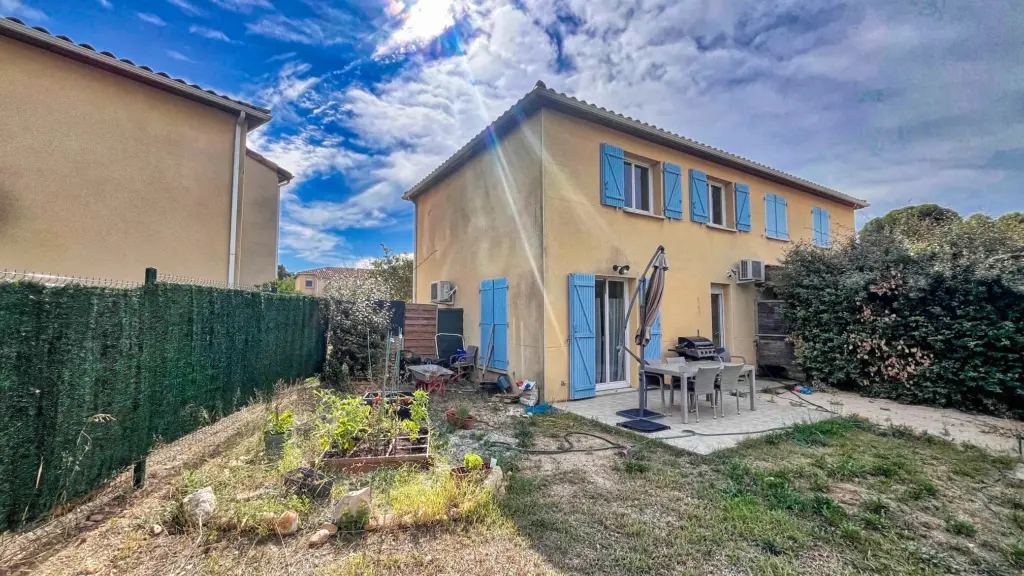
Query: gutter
[234,200]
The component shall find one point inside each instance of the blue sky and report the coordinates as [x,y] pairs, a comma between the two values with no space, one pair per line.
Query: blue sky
[898,102]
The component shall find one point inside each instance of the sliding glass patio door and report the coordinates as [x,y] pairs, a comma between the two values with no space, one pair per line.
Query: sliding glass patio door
[610,308]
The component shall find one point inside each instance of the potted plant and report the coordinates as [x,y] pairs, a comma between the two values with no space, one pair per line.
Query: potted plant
[472,464]
[460,417]
[275,433]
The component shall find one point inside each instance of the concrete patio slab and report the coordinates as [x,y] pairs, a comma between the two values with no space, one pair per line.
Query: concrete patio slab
[775,411]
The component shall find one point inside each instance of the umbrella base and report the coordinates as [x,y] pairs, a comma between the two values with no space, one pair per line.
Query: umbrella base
[639,413]
[641,425]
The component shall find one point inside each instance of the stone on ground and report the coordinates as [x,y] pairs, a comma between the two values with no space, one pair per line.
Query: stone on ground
[353,506]
[199,505]
[287,523]
[318,538]
[495,481]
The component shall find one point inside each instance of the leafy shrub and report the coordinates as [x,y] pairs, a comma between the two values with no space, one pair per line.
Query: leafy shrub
[472,461]
[937,319]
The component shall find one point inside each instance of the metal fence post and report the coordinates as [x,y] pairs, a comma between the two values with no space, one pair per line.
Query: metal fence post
[139,469]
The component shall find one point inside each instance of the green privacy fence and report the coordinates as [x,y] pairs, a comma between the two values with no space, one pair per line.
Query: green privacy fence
[92,377]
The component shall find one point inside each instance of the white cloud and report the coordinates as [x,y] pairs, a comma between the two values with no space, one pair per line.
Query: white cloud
[19,8]
[151,18]
[781,83]
[280,27]
[178,56]
[244,6]
[106,4]
[209,33]
[423,22]
[187,7]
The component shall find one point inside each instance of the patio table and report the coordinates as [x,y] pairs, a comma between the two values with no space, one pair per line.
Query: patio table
[684,370]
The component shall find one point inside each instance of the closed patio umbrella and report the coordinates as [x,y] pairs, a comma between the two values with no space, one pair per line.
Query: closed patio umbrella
[649,306]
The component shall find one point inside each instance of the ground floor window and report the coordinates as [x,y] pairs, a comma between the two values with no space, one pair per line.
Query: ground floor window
[610,309]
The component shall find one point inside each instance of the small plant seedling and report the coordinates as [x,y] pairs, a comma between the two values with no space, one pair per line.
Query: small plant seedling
[462,412]
[472,462]
[279,422]
[523,434]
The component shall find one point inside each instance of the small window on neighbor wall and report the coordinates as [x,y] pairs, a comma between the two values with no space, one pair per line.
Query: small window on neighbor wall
[309,282]
[636,180]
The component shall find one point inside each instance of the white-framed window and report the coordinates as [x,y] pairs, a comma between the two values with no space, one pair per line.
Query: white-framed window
[717,203]
[636,185]
[309,282]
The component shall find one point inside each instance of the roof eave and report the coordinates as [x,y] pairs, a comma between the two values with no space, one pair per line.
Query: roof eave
[255,118]
[544,97]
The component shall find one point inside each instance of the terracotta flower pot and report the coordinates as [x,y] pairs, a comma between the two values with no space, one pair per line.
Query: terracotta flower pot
[454,419]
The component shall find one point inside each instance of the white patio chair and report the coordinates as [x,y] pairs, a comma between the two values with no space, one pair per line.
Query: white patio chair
[728,380]
[704,383]
[669,382]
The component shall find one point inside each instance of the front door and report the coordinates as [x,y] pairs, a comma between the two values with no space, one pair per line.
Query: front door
[610,308]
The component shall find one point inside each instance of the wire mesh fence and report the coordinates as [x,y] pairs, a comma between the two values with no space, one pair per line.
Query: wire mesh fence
[56,279]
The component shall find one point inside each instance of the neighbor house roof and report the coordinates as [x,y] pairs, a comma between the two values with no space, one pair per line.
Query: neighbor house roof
[334,272]
[283,176]
[543,97]
[64,46]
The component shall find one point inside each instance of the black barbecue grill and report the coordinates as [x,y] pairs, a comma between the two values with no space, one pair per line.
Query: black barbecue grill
[695,348]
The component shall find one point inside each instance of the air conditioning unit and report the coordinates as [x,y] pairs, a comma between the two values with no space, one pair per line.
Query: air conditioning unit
[442,292]
[750,271]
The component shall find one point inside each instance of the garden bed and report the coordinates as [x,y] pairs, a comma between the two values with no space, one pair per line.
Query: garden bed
[401,450]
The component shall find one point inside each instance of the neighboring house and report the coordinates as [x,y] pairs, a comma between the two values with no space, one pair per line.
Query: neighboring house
[533,219]
[107,168]
[314,281]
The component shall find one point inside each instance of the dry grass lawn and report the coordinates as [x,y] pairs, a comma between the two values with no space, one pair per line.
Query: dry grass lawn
[836,497]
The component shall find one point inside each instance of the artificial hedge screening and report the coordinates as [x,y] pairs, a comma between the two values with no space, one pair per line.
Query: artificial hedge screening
[926,322]
[91,378]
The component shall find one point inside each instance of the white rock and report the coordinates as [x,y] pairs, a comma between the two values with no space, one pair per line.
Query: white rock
[96,518]
[288,523]
[495,481]
[199,506]
[156,529]
[318,538]
[353,505]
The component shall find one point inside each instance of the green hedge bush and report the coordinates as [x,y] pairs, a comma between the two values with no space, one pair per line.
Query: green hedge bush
[91,378]
[937,319]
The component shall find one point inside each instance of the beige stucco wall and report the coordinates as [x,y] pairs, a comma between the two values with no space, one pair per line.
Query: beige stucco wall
[581,235]
[104,176]
[316,289]
[260,210]
[484,222]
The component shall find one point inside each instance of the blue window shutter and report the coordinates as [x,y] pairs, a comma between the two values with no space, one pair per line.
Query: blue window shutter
[673,191]
[486,320]
[500,317]
[771,227]
[612,158]
[816,223]
[781,217]
[698,196]
[582,337]
[826,228]
[742,207]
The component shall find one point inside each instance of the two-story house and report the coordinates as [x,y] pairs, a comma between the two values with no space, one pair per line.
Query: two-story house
[108,167]
[535,220]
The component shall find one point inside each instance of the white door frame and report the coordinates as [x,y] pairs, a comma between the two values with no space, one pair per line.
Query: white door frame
[608,353]
[721,313]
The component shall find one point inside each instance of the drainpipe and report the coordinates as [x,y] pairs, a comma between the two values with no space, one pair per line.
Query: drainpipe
[234,200]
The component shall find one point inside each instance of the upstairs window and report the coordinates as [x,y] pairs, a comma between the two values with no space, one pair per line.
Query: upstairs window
[716,198]
[776,217]
[309,282]
[636,180]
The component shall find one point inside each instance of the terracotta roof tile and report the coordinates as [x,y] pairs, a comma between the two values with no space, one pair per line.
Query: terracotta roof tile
[542,96]
[68,40]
